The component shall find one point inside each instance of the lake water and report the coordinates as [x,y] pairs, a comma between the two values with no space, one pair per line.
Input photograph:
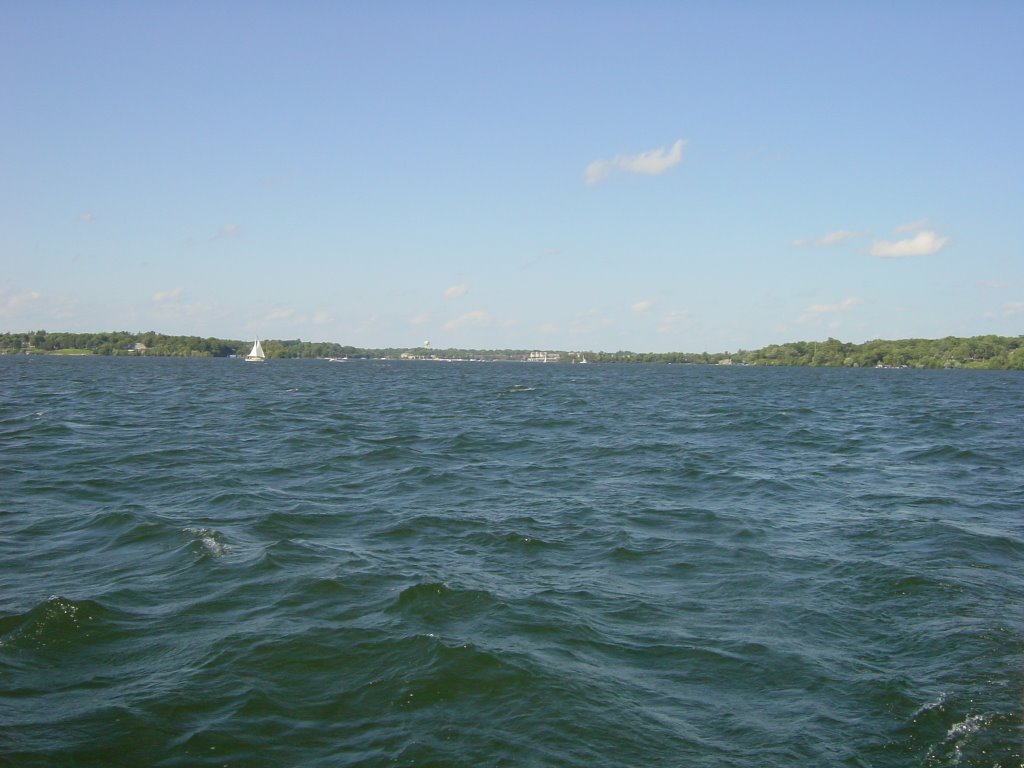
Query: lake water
[309,563]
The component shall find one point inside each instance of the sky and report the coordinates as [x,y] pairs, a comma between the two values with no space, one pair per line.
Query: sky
[645,176]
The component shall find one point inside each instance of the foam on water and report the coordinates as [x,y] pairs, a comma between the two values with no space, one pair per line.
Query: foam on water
[208,542]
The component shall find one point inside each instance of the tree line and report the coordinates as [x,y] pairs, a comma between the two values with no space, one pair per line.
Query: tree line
[993,352]
[150,343]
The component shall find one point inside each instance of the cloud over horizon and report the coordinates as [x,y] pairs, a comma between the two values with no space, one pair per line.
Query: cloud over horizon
[292,319]
[653,162]
[674,320]
[477,317]
[165,295]
[817,310]
[456,291]
[12,303]
[589,321]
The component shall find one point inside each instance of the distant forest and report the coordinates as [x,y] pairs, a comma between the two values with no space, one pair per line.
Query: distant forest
[992,352]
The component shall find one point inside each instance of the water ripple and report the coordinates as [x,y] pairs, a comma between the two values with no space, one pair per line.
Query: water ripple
[379,564]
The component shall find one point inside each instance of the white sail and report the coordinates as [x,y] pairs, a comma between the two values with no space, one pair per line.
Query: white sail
[256,354]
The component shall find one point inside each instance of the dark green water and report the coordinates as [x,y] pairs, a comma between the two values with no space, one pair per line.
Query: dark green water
[305,563]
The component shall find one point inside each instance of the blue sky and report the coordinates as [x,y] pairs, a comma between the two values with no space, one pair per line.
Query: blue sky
[661,176]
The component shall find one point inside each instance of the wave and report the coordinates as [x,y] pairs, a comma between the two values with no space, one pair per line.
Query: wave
[443,605]
[207,542]
[56,623]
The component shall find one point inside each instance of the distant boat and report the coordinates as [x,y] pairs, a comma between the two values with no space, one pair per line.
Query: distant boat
[256,354]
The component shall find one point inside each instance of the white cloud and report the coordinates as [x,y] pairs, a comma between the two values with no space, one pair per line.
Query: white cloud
[86,216]
[817,310]
[165,295]
[598,171]
[1012,308]
[642,306]
[421,319]
[832,238]
[320,318]
[913,226]
[924,243]
[456,291]
[651,163]
[477,317]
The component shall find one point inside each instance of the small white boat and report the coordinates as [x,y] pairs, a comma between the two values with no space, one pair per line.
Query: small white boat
[256,354]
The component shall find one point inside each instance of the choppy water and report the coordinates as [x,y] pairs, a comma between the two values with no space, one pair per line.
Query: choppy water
[305,563]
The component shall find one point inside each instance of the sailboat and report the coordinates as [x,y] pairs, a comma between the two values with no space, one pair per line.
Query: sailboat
[256,354]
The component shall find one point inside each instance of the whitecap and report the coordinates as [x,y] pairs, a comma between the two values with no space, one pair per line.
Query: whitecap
[971,725]
[211,542]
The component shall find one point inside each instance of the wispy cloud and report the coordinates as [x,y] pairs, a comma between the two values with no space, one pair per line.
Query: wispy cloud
[228,230]
[588,322]
[280,179]
[674,320]
[278,314]
[167,295]
[825,241]
[37,309]
[641,307]
[13,303]
[478,317]
[650,163]
[456,291]
[924,243]
[996,284]
[170,310]
[817,310]
[1013,308]
[294,319]
[912,226]
[86,216]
